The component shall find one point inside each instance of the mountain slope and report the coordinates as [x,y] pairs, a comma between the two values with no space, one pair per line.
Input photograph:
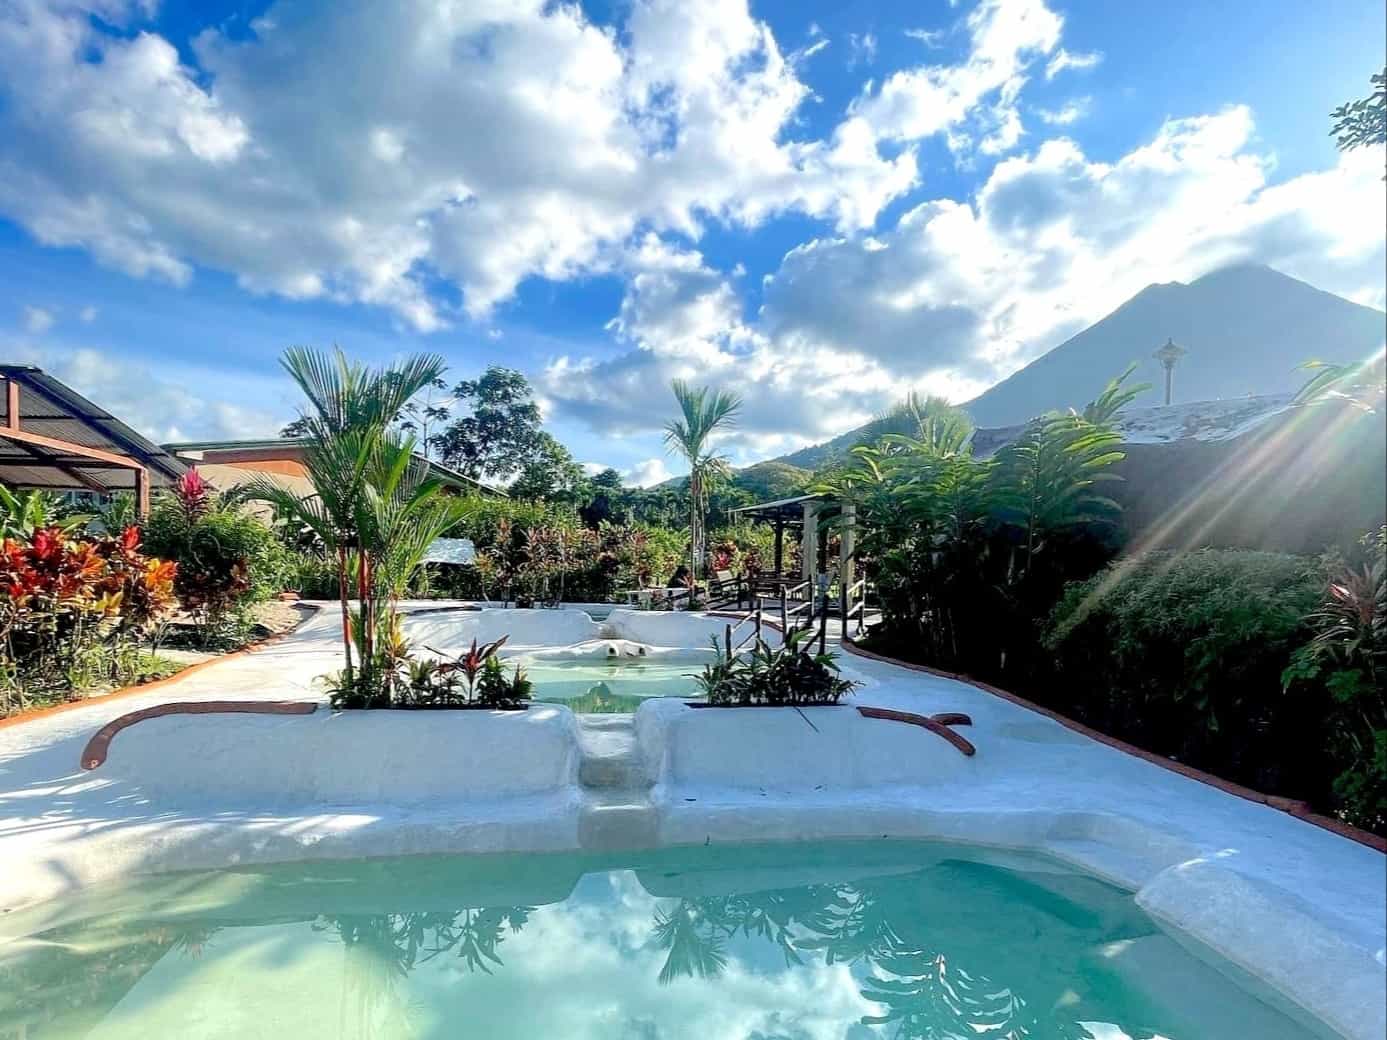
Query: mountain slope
[1247,329]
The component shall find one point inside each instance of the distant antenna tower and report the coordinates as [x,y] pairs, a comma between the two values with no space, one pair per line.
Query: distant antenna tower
[1167,356]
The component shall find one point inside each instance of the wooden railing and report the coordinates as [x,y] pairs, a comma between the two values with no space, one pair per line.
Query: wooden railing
[847,608]
[801,606]
[754,618]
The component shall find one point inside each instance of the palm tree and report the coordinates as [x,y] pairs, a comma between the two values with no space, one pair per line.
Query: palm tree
[704,412]
[349,410]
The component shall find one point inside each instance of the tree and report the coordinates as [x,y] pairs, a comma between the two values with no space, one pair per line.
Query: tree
[704,413]
[424,412]
[502,432]
[1363,123]
[607,480]
[349,410]
[295,430]
[550,473]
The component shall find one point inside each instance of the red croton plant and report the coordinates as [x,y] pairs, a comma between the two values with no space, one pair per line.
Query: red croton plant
[54,585]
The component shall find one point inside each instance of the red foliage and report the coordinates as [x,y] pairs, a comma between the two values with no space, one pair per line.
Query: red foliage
[193,493]
[53,580]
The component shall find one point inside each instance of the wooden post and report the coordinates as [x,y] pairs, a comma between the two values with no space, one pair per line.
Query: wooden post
[843,605]
[823,622]
[779,545]
[809,551]
[847,569]
[142,493]
[784,615]
[12,404]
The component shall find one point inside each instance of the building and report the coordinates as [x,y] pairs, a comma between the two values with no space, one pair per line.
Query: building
[54,439]
[229,464]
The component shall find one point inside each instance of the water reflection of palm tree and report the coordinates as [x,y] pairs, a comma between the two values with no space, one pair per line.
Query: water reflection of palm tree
[928,983]
[380,950]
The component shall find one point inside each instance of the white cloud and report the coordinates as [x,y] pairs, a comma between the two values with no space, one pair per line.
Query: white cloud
[37,320]
[1006,37]
[1067,114]
[929,37]
[967,292]
[517,140]
[957,295]
[162,410]
[862,48]
[646,474]
[87,314]
[685,321]
[1064,59]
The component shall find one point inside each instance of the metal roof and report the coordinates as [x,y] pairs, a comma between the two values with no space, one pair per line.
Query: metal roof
[446,474]
[782,508]
[54,411]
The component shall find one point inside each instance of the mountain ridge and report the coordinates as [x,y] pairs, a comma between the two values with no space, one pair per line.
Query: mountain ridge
[1247,327]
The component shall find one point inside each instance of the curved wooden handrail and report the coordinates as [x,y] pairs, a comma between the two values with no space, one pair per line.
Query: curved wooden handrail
[94,754]
[934,723]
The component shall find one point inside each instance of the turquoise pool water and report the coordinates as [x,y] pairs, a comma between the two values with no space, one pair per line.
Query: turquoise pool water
[813,942]
[599,684]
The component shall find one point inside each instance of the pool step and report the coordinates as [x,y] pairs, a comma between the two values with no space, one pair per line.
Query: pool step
[615,821]
[611,758]
[617,813]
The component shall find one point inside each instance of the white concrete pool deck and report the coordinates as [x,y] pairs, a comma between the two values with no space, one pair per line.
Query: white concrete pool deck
[1297,906]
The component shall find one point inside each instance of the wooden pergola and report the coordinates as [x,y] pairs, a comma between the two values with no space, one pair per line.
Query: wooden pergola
[52,438]
[803,513]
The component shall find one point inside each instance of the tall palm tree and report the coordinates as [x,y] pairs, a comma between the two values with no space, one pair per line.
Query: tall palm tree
[704,412]
[350,407]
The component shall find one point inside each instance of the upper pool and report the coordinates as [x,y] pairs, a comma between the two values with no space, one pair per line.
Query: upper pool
[812,942]
[611,684]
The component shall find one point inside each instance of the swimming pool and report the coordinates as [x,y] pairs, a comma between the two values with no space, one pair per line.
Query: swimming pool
[841,941]
[594,683]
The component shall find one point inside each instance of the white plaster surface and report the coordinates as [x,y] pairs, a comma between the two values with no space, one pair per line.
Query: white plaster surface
[1293,905]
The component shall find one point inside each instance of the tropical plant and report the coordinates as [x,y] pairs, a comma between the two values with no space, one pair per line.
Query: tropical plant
[496,689]
[228,559]
[787,675]
[1184,654]
[1362,123]
[968,553]
[23,513]
[704,413]
[1361,385]
[365,483]
[1046,481]
[72,610]
[1347,659]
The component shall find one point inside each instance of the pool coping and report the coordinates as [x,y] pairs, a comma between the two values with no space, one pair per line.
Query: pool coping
[1300,810]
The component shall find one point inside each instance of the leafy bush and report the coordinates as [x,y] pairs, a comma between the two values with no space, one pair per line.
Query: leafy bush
[72,611]
[1345,664]
[394,678]
[785,675]
[968,553]
[228,559]
[1183,654]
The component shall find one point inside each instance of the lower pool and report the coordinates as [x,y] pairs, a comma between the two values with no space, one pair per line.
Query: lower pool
[611,684]
[811,942]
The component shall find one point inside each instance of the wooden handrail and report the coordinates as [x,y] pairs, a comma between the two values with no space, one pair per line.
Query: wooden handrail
[95,752]
[939,723]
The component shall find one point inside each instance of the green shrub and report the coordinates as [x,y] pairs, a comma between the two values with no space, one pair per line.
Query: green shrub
[1183,654]
[1343,667]
[228,559]
[789,674]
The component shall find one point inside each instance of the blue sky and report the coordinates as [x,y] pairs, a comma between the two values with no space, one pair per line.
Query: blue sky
[821,205]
